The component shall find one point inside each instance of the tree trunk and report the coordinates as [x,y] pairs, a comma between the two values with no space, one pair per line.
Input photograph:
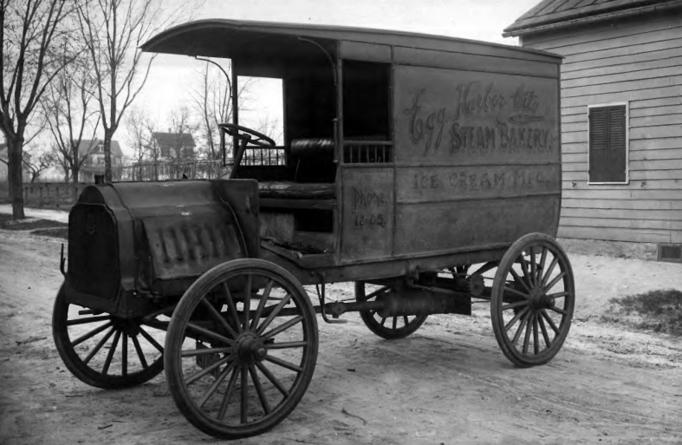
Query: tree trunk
[14,176]
[108,133]
[75,173]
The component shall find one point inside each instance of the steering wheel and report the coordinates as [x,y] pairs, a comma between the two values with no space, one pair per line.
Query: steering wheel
[248,136]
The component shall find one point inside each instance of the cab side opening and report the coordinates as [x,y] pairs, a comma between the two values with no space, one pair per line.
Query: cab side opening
[297,181]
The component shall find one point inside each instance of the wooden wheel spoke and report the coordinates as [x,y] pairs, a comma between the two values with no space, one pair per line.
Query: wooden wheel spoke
[519,330]
[259,389]
[266,372]
[90,334]
[214,386]
[383,321]
[283,363]
[217,316]
[261,304]
[545,335]
[519,280]
[541,266]
[228,394]
[286,345]
[124,354]
[550,321]
[516,318]
[98,346]
[406,320]
[140,354]
[394,325]
[197,375]
[526,338]
[151,340]
[244,408]
[554,281]
[549,271]
[557,310]
[516,292]
[283,327]
[231,307]
[210,334]
[536,342]
[110,355]
[85,320]
[273,313]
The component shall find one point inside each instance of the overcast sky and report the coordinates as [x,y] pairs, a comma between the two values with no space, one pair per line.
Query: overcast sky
[172,77]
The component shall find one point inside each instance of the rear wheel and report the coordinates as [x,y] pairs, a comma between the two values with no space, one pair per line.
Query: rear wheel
[532,300]
[103,350]
[391,327]
[241,348]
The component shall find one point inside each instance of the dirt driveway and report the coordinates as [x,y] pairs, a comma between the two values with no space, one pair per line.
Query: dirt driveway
[447,383]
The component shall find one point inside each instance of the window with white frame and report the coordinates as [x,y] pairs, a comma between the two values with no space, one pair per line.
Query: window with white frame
[608,143]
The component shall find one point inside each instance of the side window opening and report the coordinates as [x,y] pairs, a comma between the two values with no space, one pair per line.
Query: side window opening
[366,112]
[365,100]
[608,144]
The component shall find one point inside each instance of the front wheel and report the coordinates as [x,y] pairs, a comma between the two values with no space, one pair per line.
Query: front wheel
[241,348]
[532,300]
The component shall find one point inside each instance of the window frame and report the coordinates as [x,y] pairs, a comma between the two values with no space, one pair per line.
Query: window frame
[626,104]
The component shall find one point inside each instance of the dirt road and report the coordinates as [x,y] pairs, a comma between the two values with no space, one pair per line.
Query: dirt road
[447,383]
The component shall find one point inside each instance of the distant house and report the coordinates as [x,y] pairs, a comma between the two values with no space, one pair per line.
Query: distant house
[173,146]
[621,115]
[94,164]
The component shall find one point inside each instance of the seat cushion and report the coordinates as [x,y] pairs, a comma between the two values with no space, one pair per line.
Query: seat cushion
[311,146]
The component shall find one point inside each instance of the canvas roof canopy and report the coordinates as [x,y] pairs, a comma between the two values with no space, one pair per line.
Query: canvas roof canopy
[252,43]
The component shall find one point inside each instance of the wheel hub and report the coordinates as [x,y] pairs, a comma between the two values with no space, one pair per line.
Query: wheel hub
[539,298]
[250,347]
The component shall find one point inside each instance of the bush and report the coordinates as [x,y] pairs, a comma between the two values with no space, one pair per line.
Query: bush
[658,310]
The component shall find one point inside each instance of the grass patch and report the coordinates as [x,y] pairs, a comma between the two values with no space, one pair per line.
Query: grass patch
[658,310]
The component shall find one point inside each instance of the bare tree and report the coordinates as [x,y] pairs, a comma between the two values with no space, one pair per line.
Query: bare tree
[140,128]
[27,34]
[70,113]
[113,31]
[37,164]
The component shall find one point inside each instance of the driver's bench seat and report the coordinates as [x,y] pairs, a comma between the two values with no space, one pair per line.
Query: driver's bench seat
[314,178]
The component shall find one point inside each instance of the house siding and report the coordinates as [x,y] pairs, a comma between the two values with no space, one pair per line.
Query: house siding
[637,62]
